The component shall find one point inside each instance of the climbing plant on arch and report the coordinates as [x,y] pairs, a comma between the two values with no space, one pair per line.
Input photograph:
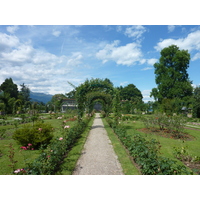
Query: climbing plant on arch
[103,98]
[92,90]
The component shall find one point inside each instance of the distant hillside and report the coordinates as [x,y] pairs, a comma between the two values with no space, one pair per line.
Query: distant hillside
[40,97]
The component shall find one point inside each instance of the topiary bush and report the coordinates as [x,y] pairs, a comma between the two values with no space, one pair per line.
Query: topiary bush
[38,135]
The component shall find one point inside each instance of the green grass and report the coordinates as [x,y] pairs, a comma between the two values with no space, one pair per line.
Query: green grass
[167,144]
[22,157]
[123,157]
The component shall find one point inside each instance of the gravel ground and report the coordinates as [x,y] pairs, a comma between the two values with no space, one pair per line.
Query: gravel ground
[98,156]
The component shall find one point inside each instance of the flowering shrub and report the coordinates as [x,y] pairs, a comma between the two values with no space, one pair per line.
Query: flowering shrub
[146,153]
[36,135]
[27,148]
[50,159]
[173,124]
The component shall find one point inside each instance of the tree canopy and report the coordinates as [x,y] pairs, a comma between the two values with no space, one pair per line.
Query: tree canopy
[196,102]
[172,78]
[10,88]
[129,92]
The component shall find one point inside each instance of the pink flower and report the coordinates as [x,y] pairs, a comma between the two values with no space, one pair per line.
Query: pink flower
[17,171]
[29,144]
[25,148]
[40,129]
[60,138]
[66,127]
[32,149]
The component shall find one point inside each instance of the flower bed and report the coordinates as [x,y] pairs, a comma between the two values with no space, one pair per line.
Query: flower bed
[146,153]
[50,159]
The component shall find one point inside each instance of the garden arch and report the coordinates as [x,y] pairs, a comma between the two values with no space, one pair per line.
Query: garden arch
[92,90]
[105,99]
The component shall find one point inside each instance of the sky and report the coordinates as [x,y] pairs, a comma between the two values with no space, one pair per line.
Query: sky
[47,57]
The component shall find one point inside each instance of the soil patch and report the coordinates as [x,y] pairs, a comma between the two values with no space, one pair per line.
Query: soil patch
[195,167]
[165,133]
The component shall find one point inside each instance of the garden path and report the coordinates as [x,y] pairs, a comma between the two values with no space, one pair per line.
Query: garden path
[98,156]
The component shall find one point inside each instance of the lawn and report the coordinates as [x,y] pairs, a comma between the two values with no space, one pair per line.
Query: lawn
[192,146]
[10,149]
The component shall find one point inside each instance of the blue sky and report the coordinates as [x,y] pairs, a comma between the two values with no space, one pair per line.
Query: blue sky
[46,57]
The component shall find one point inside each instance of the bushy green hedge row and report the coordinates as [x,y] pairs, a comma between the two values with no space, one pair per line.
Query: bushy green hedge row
[51,158]
[146,153]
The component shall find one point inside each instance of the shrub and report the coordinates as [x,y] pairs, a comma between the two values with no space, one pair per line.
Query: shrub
[146,153]
[174,124]
[37,135]
[49,161]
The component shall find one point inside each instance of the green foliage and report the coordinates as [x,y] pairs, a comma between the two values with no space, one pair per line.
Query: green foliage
[11,157]
[196,102]
[10,88]
[37,135]
[171,74]
[49,161]
[116,108]
[90,86]
[174,124]
[146,154]
[130,92]
[24,94]
[105,99]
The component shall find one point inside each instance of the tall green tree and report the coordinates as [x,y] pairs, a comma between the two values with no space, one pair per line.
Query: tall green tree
[57,100]
[172,78]
[130,92]
[196,102]
[10,88]
[24,94]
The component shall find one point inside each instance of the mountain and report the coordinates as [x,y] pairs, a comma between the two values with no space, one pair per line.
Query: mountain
[40,97]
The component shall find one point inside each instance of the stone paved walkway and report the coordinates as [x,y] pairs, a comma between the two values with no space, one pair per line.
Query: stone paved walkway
[98,156]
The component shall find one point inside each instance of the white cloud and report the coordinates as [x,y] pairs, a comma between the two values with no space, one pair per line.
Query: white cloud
[21,54]
[119,28]
[171,28]
[8,41]
[12,29]
[124,83]
[135,31]
[191,42]
[146,68]
[196,56]
[75,59]
[40,70]
[130,54]
[152,61]
[56,33]
[146,96]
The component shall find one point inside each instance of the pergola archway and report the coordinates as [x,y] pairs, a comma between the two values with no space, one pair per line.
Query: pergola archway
[92,90]
[105,99]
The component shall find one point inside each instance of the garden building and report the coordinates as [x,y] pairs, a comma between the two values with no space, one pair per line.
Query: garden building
[68,104]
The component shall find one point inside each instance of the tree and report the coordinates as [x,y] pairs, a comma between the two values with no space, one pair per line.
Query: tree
[71,94]
[10,88]
[24,94]
[57,100]
[196,102]
[130,92]
[171,75]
